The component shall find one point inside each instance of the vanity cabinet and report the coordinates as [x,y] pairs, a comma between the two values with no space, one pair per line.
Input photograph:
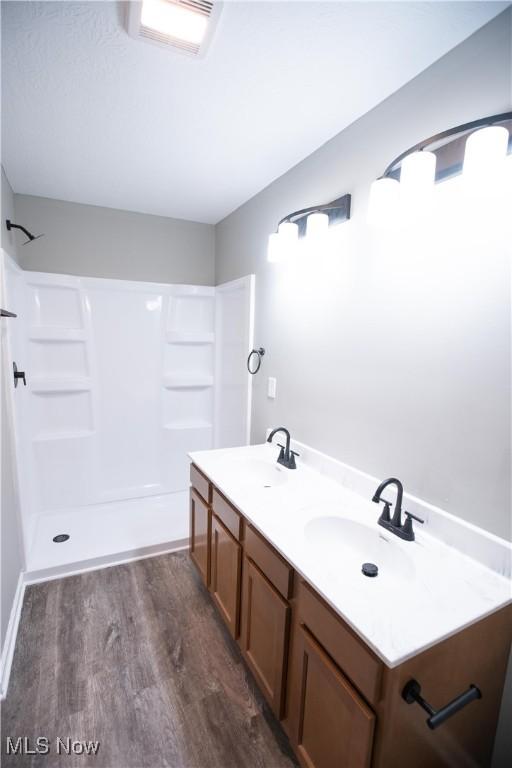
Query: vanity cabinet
[334,726]
[264,634]
[339,704]
[226,571]
[200,530]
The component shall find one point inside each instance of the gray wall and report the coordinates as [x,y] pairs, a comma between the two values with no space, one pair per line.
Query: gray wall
[357,379]
[10,530]
[7,239]
[371,367]
[105,242]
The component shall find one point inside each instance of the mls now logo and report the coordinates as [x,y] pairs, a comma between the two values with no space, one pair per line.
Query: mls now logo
[41,746]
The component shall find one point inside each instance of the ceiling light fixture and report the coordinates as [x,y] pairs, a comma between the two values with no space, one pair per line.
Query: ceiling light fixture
[477,149]
[311,222]
[186,25]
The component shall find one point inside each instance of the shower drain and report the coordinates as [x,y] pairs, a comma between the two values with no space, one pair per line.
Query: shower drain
[61,537]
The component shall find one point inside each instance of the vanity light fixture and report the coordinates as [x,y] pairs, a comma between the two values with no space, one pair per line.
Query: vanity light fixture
[477,149]
[312,222]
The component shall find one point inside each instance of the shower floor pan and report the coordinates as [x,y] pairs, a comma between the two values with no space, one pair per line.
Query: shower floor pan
[104,533]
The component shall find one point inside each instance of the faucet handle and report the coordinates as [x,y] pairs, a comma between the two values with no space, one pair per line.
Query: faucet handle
[292,464]
[281,452]
[407,526]
[385,516]
[410,514]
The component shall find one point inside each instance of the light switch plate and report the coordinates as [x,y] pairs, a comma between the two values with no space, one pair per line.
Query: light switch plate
[271,387]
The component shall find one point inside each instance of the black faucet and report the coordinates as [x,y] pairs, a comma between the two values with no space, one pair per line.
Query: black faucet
[394,524]
[286,456]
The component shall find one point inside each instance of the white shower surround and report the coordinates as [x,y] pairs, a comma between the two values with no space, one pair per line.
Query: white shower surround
[121,385]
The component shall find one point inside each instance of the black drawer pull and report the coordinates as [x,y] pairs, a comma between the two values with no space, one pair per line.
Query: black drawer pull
[411,693]
[6,313]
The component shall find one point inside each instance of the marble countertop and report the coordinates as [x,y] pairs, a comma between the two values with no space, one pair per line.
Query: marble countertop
[425,590]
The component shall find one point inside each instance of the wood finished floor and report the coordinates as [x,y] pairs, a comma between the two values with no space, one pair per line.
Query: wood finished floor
[136,657]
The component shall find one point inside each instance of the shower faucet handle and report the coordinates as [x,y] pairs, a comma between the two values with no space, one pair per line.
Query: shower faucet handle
[18,375]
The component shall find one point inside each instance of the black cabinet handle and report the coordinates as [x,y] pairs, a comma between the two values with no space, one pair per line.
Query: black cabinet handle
[412,693]
[6,313]
[18,375]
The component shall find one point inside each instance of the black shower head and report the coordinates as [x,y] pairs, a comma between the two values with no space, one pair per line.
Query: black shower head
[10,225]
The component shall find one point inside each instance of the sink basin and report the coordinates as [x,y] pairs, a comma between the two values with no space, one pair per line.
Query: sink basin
[259,473]
[352,544]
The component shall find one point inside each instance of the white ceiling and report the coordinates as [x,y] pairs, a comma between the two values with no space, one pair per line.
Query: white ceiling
[93,116]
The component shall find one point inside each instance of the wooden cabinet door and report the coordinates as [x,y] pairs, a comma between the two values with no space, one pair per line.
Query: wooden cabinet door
[333,727]
[200,525]
[226,554]
[264,633]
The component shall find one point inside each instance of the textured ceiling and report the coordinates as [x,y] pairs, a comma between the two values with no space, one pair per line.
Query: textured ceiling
[92,116]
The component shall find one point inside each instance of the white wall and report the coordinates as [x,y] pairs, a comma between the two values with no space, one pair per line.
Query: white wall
[92,241]
[399,366]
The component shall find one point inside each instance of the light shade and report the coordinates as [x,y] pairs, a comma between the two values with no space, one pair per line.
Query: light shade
[289,231]
[317,225]
[274,250]
[288,239]
[418,173]
[384,203]
[485,152]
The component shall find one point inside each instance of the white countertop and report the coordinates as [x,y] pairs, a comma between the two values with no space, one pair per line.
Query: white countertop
[425,590]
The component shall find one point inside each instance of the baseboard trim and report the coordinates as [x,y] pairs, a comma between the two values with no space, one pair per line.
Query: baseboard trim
[10,636]
[109,561]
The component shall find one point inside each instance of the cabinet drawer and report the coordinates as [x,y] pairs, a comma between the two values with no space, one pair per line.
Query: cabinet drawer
[355,659]
[227,513]
[277,570]
[201,483]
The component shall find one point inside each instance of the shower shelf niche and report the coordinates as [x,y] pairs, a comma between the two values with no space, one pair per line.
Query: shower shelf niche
[174,337]
[43,385]
[192,424]
[52,333]
[51,436]
[188,382]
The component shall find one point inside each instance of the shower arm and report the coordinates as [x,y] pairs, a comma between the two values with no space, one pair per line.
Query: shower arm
[10,225]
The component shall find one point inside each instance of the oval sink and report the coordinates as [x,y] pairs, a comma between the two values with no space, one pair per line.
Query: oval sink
[354,543]
[259,473]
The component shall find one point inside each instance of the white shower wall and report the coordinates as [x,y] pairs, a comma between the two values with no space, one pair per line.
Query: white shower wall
[121,381]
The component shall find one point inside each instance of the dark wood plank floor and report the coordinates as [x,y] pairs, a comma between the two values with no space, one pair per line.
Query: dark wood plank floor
[136,657]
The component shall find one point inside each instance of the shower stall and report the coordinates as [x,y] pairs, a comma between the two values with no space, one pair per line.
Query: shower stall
[122,380]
